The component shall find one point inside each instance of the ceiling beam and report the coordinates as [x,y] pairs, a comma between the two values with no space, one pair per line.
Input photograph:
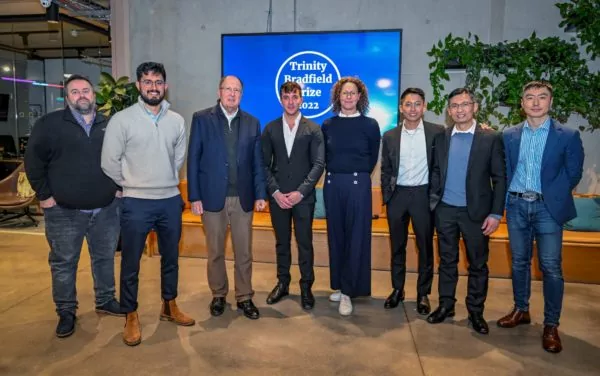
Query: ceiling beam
[62,17]
[29,32]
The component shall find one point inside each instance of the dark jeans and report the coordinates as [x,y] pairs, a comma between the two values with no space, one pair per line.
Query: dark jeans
[528,221]
[451,222]
[138,217]
[302,214]
[65,230]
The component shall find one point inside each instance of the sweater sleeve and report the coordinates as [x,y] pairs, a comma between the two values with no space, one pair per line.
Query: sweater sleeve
[374,141]
[37,158]
[180,147]
[113,149]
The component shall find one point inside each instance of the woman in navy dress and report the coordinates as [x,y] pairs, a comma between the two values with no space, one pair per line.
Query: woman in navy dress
[352,149]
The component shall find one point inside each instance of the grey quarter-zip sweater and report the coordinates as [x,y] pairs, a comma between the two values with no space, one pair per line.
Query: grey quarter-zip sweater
[143,153]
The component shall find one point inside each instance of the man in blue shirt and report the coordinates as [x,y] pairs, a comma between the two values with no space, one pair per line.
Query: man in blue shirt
[544,163]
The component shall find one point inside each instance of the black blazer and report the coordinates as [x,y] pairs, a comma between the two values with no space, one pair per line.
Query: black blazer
[303,168]
[486,173]
[390,156]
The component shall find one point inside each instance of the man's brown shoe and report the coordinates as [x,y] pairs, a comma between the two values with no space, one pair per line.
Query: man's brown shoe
[132,334]
[514,318]
[551,340]
[170,312]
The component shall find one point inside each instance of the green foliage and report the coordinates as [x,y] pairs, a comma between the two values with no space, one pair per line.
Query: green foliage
[497,73]
[114,95]
[584,15]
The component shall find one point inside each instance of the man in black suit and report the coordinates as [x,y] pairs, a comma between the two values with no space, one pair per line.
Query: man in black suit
[294,157]
[405,169]
[468,189]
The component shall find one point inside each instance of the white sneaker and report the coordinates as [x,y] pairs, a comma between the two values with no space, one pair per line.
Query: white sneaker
[335,297]
[345,308]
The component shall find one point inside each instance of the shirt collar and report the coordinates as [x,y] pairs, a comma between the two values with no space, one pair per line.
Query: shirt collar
[79,117]
[470,130]
[296,121]
[419,127]
[164,106]
[227,115]
[545,125]
[356,114]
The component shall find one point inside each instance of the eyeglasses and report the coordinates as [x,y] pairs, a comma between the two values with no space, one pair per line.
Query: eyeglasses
[148,83]
[349,93]
[230,90]
[462,106]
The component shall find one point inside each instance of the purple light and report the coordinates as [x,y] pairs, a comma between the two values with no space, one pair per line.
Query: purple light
[35,83]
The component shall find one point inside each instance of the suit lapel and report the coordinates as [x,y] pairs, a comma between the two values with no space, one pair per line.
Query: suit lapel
[474,146]
[299,131]
[515,147]
[395,148]
[428,142]
[551,142]
[444,166]
[217,124]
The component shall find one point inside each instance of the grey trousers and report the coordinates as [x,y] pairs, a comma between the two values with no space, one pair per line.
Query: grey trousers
[215,229]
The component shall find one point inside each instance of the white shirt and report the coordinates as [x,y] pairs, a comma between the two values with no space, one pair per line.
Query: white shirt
[227,115]
[471,130]
[356,114]
[289,135]
[412,168]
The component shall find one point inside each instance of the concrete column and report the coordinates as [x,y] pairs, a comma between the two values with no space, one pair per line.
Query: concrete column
[119,32]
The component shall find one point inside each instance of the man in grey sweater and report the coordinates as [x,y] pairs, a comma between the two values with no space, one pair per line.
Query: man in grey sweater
[144,148]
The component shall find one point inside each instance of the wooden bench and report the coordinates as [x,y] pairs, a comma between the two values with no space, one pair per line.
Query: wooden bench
[581,250]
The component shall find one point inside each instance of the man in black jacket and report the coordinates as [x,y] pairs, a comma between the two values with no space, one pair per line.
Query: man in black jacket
[62,163]
[294,155]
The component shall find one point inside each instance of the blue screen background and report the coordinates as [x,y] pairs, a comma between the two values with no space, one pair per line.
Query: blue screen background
[373,56]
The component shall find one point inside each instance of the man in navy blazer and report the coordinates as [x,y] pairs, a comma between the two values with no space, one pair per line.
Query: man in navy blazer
[226,181]
[544,163]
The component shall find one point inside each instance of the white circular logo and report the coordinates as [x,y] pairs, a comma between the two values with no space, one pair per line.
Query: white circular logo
[316,73]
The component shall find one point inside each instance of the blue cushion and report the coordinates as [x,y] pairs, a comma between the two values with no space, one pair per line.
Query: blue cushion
[320,204]
[588,215]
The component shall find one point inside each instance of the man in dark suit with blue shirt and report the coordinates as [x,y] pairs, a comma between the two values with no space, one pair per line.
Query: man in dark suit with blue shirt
[226,182]
[294,156]
[544,163]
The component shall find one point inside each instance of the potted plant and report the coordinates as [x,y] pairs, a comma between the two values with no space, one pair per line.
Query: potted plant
[114,95]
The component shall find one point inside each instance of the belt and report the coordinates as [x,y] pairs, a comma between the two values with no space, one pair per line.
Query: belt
[528,196]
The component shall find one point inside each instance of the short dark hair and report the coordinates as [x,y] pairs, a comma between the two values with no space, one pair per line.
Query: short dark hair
[290,87]
[462,90]
[77,77]
[413,90]
[150,66]
[537,85]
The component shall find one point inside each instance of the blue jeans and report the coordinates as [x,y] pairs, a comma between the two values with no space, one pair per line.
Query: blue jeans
[528,221]
[65,230]
[139,217]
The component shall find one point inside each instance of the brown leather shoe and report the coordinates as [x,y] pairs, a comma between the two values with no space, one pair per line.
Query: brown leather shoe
[514,318]
[132,334]
[551,340]
[170,312]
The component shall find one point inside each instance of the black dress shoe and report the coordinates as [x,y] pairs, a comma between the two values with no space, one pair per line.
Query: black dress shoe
[423,306]
[66,324]
[249,309]
[478,322]
[394,299]
[307,298]
[217,306]
[279,291]
[440,314]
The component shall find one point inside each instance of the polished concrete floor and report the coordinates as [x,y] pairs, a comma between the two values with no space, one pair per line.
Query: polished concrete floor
[286,340]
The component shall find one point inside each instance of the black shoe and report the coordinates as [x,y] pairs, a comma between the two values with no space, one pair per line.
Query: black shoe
[279,291]
[478,322]
[66,324]
[440,314]
[217,306]
[250,310]
[394,299]
[423,306]
[307,298]
[112,308]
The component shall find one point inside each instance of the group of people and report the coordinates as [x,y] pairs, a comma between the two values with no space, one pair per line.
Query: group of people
[97,179]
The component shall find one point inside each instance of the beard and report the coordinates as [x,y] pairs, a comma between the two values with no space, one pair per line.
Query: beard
[83,106]
[152,101]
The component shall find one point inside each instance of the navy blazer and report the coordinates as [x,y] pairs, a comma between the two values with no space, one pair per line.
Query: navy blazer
[562,167]
[207,171]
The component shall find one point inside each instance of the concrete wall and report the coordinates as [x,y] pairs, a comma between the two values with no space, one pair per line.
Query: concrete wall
[185,35]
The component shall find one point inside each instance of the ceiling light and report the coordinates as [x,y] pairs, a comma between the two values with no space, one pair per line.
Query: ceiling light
[6,68]
[52,14]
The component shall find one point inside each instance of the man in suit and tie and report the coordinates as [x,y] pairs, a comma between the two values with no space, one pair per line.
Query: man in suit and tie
[294,157]
[544,164]
[468,188]
[405,169]
[225,183]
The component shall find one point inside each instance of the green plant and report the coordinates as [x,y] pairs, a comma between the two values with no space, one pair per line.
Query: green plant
[497,72]
[584,16]
[114,95]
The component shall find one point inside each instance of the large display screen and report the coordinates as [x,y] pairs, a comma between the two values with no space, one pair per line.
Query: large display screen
[316,61]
